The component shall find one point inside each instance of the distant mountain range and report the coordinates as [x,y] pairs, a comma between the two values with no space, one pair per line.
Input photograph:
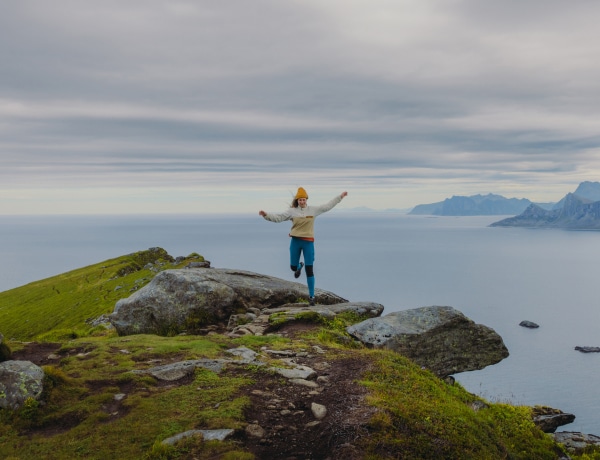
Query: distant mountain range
[476,205]
[578,210]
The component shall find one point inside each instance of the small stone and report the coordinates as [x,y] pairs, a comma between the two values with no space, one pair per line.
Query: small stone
[322,366]
[306,383]
[285,412]
[119,396]
[318,410]
[311,424]
[478,405]
[256,431]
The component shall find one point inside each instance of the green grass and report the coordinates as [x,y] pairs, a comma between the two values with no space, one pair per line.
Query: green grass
[57,308]
[79,389]
[423,417]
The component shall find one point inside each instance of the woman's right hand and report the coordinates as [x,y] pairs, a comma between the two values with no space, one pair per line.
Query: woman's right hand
[262,213]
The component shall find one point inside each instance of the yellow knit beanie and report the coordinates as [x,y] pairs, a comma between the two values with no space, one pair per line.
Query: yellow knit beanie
[301,193]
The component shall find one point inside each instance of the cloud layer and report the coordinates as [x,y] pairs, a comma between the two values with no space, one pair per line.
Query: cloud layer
[187,106]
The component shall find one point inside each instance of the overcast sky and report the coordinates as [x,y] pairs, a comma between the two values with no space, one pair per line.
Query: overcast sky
[152,106]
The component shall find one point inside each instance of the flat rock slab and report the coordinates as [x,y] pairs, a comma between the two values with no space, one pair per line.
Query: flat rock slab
[178,370]
[271,319]
[207,435]
[294,311]
[297,371]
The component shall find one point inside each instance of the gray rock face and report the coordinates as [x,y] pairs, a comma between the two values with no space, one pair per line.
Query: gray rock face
[207,435]
[188,299]
[549,419]
[180,369]
[19,380]
[441,339]
[576,442]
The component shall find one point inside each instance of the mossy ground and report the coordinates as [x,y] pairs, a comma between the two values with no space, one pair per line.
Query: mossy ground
[380,405]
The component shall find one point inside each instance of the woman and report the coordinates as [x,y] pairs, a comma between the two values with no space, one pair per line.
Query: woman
[303,234]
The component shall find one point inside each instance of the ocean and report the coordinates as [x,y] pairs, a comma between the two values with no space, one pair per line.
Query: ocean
[495,276]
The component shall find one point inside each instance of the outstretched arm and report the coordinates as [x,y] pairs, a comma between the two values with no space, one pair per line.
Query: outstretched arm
[275,217]
[329,205]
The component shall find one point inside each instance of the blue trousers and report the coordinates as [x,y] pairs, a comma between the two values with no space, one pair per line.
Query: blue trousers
[300,247]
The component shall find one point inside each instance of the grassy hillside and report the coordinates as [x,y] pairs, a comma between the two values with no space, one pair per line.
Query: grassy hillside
[60,305]
[380,405]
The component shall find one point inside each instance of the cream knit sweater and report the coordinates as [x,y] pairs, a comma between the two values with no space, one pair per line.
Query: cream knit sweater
[303,219]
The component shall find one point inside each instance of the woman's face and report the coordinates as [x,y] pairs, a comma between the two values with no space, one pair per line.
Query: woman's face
[302,202]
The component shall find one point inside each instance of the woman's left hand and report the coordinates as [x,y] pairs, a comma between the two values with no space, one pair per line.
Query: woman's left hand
[344,194]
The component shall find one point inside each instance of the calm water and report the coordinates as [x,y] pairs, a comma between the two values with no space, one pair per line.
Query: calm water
[495,276]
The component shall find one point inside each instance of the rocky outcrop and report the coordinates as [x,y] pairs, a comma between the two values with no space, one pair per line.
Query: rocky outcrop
[19,380]
[270,319]
[441,339]
[190,299]
[549,419]
[575,442]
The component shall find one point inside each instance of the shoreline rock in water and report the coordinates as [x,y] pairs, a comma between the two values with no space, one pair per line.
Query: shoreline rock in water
[588,349]
[529,324]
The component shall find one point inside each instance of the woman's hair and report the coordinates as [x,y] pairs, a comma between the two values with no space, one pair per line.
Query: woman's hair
[294,203]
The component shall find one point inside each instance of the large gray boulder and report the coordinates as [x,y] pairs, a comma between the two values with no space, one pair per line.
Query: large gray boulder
[441,339]
[19,380]
[189,299]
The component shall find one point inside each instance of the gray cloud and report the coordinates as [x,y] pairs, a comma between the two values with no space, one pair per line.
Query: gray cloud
[442,97]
